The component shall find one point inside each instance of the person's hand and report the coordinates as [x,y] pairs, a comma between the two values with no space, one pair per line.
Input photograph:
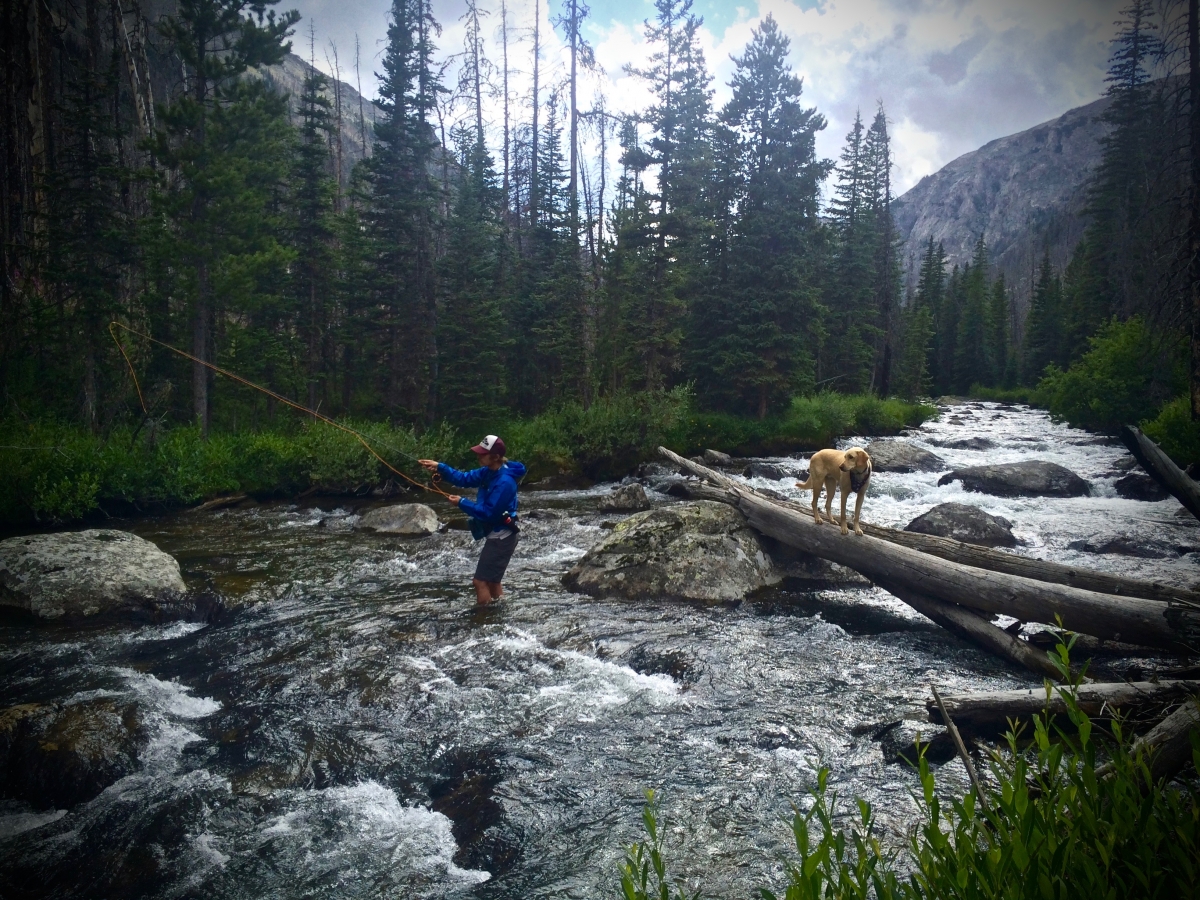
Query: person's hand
[454,498]
[430,464]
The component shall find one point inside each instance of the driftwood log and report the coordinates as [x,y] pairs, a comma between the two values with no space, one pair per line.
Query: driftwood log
[1174,625]
[1170,742]
[991,710]
[985,558]
[1163,468]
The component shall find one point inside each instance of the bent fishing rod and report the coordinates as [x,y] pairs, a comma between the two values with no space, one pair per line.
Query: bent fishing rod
[113,326]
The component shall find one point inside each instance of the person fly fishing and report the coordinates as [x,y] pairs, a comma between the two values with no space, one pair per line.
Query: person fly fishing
[493,513]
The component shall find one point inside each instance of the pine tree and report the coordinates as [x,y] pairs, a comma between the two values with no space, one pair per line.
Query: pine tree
[932,296]
[401,214]
[971,349]
[223,140]
[312,232]
[999,370]
[754,347]
[886,241]
[1043,325]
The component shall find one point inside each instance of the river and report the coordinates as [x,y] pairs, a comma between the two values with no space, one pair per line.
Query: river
[363,731]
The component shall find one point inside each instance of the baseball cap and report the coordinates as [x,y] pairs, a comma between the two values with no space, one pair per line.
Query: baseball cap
[490,444]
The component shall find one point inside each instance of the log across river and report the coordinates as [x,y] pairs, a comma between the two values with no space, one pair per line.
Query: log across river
[358,715]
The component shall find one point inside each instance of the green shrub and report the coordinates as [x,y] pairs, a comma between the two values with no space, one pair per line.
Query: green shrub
[1001,395]
[1055,826]
[1127,371]
[1176,431]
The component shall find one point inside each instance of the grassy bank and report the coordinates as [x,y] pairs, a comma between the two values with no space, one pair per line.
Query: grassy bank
[1054,826]
[57,473]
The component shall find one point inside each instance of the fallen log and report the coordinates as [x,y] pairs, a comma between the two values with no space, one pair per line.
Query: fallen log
[220,502]
[1163,468]
[977,629]
[982,557]
[1174,626]
[1169,742]
[991,710]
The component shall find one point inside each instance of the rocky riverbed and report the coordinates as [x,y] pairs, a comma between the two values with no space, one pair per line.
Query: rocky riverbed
[351,726]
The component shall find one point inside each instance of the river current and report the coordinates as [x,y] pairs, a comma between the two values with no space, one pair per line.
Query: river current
[362,730]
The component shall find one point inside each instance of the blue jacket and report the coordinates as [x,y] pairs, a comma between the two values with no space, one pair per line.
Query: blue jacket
[496,498]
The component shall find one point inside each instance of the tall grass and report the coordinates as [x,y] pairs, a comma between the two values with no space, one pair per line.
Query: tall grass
[60,473]
[1056,827]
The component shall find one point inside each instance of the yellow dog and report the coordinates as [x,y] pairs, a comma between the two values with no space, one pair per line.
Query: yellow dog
[849,469]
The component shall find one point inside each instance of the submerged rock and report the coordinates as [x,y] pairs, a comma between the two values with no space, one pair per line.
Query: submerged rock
[1029,478]
[87,574]
[693,551]
[965,523]
[1130,545]
[901,456]
[1140,486]
[629,498]
[971,443]
[766,470]
[898,741]
[56,756]
[404,518]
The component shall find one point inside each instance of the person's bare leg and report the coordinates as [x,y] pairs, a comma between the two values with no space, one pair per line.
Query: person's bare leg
[483,592]
[495,589]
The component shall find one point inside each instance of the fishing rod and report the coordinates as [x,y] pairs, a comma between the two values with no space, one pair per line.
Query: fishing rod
[113,326]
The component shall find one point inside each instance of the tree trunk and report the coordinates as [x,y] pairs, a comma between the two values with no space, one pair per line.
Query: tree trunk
[1154,624]
[573,192]
[1194,220]
[1164,470]
[1169,742]
[983,558]
[200,330]
[976,629]
[504,45]
[991,710]
[533,160]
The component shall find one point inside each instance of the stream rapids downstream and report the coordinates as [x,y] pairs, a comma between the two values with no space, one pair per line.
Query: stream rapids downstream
[361,730]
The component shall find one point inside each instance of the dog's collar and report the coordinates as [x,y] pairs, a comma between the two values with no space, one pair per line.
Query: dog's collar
[857,481]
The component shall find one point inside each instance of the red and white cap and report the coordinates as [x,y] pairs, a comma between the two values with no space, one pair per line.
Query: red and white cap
[490,444]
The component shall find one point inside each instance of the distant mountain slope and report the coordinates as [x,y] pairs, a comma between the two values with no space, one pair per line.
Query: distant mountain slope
[1022,192]
[357,136]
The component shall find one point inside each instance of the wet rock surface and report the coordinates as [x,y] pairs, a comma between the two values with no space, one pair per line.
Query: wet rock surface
[971,443]
[1140,486]
[94,574]
[717,458]
[1139,546]
[415,519]
[965,523]
[55,756]
[627,498]
[694,551]
[901,456]
[898,742]
[1030,478]
[766,470]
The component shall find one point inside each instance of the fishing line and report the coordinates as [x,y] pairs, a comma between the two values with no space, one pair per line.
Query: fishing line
[112,326]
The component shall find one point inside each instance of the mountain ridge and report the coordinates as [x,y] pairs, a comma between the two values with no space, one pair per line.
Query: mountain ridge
[1024,193]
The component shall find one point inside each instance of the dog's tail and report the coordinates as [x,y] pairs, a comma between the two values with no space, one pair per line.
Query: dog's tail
[806,485]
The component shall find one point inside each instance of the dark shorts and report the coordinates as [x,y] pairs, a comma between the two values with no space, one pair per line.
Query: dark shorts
[494,558]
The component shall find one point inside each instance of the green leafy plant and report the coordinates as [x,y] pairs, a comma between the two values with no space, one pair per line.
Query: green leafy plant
[644,873]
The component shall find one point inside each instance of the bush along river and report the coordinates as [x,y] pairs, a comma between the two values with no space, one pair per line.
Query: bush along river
[351,725]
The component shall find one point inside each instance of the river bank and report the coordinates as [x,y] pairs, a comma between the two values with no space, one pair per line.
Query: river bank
[58,474]
[357,714]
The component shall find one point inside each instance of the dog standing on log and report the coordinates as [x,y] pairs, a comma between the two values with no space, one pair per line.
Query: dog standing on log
[848,469]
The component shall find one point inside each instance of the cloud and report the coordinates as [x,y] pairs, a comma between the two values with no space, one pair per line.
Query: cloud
[951,74]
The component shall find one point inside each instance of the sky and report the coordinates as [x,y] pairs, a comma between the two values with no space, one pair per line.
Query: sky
[951,74]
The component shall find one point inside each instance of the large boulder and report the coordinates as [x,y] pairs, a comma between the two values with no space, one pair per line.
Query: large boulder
[694,551]
[901,456]
[717,458]
[1030,478]
[403,518]
[87,574]
[54,756]
[629,498]
[971,443]
[965,523]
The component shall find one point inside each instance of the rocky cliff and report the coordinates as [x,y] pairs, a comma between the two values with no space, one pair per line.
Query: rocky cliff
[1023,193]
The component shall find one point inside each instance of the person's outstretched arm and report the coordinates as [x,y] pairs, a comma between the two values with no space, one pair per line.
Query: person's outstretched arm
[454,476]
[497,502]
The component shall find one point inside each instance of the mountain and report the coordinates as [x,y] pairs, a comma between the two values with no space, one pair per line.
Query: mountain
[357,113]
[1023,193]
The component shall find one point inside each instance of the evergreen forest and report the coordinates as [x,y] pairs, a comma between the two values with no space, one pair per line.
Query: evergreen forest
[708,254]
